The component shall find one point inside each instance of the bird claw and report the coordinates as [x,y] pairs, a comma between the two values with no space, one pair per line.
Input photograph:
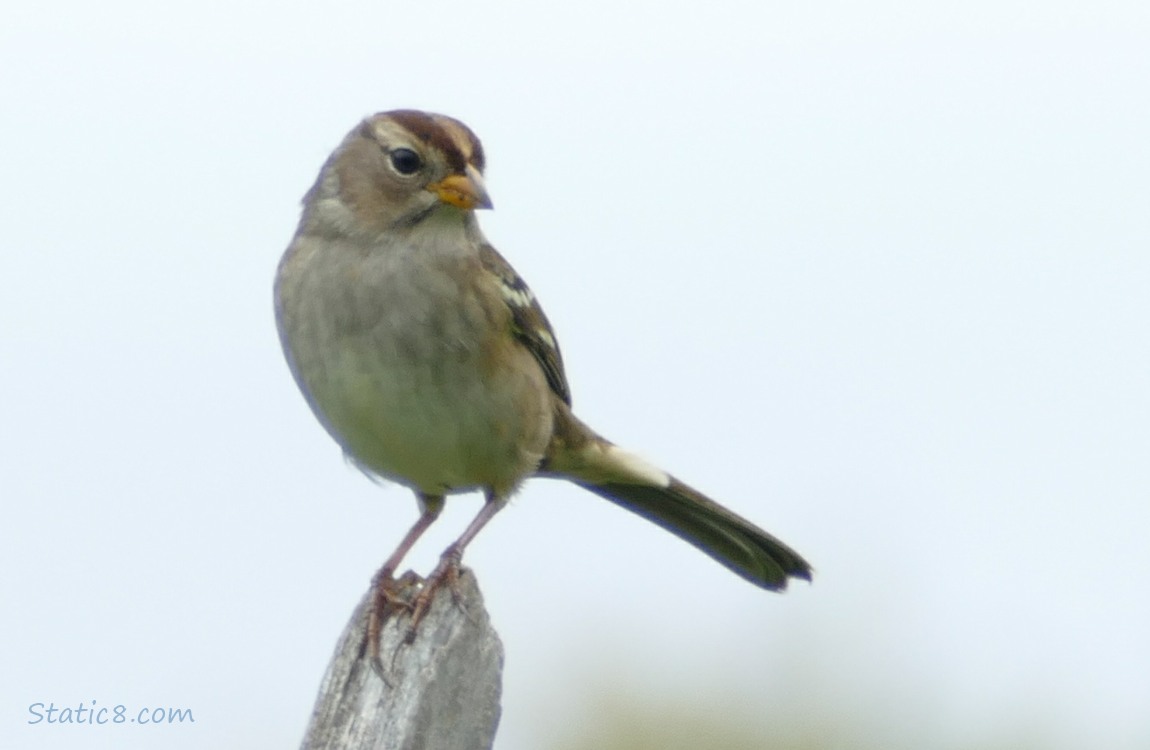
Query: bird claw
[411,595]
[446,573]
[389,596]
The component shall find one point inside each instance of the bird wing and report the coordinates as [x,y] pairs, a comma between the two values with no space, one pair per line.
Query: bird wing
[531,327]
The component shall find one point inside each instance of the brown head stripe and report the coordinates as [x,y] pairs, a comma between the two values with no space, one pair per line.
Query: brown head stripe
[433,133]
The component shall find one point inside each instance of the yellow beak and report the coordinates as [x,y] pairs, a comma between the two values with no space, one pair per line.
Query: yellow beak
[463,191]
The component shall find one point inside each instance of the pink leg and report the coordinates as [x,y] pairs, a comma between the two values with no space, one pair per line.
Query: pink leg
[385,599]
[447,571]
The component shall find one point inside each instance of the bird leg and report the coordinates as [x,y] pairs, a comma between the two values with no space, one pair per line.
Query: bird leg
[447,571]
[389,595]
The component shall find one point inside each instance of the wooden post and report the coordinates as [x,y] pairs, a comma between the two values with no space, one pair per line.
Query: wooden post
[442,690]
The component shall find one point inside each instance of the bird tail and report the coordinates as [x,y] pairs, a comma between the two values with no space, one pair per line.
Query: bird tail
[597,465]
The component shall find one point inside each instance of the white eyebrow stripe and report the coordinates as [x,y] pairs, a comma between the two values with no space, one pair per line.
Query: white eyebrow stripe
[460,137]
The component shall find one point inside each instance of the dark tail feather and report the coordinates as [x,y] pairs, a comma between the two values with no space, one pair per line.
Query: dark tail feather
[733,541]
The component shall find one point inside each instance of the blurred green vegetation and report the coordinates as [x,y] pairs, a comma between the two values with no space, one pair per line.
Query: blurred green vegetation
[633,721]
[627,726]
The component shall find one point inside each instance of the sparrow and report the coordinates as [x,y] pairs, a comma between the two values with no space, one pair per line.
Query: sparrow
[431,363]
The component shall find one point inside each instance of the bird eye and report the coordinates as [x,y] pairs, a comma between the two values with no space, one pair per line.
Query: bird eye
[405,161]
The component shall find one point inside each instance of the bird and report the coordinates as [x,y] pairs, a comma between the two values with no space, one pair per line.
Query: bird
[431,363]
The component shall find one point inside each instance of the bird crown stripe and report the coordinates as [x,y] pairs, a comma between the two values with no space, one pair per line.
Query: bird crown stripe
[444,134]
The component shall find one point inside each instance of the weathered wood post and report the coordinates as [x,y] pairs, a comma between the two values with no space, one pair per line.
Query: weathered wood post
[441,691]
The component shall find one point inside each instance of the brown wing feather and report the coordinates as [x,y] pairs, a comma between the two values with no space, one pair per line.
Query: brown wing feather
[531,326]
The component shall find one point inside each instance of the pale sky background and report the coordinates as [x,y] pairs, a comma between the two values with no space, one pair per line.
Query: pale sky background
[877,275]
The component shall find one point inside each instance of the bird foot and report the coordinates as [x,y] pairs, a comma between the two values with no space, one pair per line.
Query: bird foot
[446,573]
[409,594]
[389,596]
